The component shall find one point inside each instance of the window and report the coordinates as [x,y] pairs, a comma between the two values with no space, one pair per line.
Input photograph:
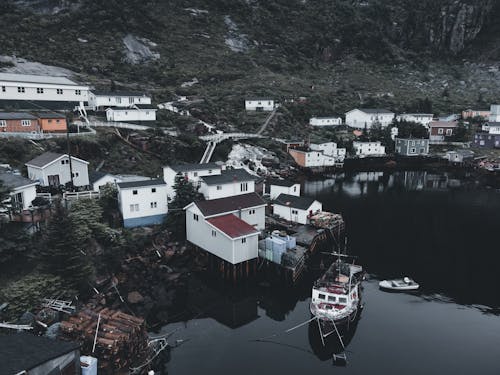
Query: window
[413,150]
[244,186]
[3,123]
[131,100]
[59,91]
[57,121]
[214,233]
[78,92]
[243,240]
[134,208]
[134,192]
[321,296]
[26,122]
[449,131]
[219,187]
[295,212]
[75,174]
[209,171]
[342,300]
[49,121]
[195,174]
[154,204]
[295,188]
[39,90]
[3,88]
[422,150]
[331,299]
[21,89]
[147,112]
[196,217]
[118,100]
[440,131]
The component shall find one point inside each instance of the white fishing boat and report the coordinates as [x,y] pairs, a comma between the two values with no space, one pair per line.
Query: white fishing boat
[336,296]
[403,284]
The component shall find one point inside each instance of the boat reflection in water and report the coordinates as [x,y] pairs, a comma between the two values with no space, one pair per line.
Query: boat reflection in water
[333,348]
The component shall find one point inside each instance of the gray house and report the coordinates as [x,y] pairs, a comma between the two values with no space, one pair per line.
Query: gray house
[411,146]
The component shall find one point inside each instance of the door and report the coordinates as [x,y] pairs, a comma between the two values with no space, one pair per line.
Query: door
[54,180]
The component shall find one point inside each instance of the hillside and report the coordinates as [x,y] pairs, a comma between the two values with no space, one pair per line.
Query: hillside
[338,54]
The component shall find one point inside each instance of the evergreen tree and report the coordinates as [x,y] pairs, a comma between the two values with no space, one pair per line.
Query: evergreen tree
[185,193]
[62,253]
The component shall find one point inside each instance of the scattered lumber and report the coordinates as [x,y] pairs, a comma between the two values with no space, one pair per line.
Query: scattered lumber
[119,341]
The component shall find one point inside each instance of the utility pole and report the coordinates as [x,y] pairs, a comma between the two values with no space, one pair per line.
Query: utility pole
[69,151]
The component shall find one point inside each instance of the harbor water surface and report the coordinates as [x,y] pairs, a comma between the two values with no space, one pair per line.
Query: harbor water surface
[442,230]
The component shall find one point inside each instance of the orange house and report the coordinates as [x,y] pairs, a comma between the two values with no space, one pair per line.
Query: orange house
[52,122]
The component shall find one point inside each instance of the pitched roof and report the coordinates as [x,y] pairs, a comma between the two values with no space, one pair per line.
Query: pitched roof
[277,182]
[50,115]
[14,181]
[194,167]
[228,176]
[49,157]
[16,116]
[24,351]
[443,124]
[117,93]
[259,99]
[31,78]
[142,183]
[302,203]
[96,175]
[375,110]
[232,226]
[229,204]
[132,108]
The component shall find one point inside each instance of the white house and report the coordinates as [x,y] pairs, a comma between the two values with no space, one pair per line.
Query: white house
[101,99]
[296,209]
[22,190]
[256,104]
[275,187]
[143,202]
[135,113]
[368,148]
[228,227]
[494,128]
[230,182]
[495,113]
[100,179]
[41,88]
[419,118]
[191,172]
[329,149]
[459,156]
[325,121]
[52,169]
[365,117]
[312,159]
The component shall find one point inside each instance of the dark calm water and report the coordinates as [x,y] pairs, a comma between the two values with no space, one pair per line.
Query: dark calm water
[441,230]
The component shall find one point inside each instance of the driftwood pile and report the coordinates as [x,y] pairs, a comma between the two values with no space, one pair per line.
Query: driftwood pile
[121,340]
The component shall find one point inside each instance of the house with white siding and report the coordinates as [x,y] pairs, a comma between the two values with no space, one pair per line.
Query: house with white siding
[420,118]
[228,227]
[362,149]
[296,209]
[325,121]
[275,187]
[230,182]
[494,113]
[259,104]
[329,149]
[191,172]
[100,179]
[52,169]
[22,191]
[99,100]
[23,87]
[142,203]
[134,113]
[366,118]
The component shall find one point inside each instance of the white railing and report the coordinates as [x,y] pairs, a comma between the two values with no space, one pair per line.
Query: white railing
[81,195]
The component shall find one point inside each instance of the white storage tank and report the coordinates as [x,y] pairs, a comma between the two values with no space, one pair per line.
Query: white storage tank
[88,365]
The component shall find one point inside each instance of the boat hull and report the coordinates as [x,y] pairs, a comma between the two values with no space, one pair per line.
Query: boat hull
[387,285]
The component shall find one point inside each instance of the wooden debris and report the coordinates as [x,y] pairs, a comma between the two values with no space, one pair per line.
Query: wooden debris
[119,341]
[15,326]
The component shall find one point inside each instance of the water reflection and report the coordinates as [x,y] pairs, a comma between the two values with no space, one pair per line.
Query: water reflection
[362,183]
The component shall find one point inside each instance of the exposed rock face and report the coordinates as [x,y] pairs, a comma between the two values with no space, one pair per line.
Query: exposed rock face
[459,24]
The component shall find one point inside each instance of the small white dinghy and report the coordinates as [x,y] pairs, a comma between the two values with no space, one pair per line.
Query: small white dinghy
[399,284]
